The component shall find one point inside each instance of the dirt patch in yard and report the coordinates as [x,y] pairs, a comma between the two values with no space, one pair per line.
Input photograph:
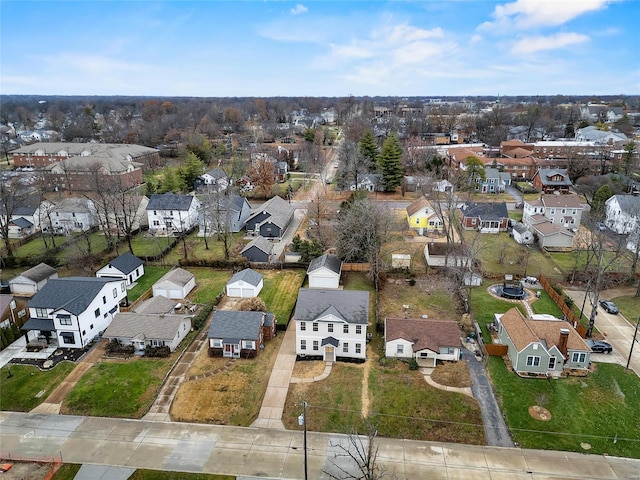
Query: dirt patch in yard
[308,368]
[32,471]
[430,295]
[452,374]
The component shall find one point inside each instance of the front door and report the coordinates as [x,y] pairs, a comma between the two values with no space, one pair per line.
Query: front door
[552,363]
[329,354]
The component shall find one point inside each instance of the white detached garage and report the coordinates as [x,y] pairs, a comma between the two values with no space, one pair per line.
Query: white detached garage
[324,272]
[245,284]
[175,284]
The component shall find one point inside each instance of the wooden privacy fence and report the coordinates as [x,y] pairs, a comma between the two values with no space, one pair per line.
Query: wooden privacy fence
[566,309]
[496,350]
[356,267]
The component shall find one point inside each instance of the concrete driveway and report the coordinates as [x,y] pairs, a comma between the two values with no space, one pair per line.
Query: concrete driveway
[617,331]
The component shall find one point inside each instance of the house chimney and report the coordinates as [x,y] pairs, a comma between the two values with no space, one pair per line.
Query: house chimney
[562,342]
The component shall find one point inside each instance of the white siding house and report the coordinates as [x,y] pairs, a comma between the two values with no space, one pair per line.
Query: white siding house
[175,284]
[324,272]
[169,213]
[126,266]
[623,213]
[332,324]
[245,284]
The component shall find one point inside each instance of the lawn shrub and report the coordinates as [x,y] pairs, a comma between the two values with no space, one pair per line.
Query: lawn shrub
[413,364]
[157,352]
[115,346]
[201,317]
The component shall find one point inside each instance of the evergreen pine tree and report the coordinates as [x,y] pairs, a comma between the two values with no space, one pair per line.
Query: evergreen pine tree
[390,164]
[369,148]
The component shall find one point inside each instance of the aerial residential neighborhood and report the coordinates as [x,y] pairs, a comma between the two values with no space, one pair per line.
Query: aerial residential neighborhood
[325,241]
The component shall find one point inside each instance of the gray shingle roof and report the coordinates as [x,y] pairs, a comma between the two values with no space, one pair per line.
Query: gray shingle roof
[74,294]
[486,211]
[260,243]
[158,304]
[21,222]
[280,211]
[236,325]
[177,276]
[331,262]
[143,326]
[169,201]
[39,272]
[248,275]
[349,305]
[126,263]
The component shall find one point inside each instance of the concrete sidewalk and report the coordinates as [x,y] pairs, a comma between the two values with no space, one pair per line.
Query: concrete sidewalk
[278,454]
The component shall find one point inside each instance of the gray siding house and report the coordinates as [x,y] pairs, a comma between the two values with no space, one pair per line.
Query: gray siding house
[258,250]
[271,219]
[542,345]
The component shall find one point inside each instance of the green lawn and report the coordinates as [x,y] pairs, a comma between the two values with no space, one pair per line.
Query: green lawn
[629,306]
[280,292]
[145,245]
[567,261]
[515,215]
[67,471]
[514,256]
[592,410]
[209,283]
[144,283]
[117,389]
[404,406]
[196,248]
[18,393]
[484,305]
[546,305]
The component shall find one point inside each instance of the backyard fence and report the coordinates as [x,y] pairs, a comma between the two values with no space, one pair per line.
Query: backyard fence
[566,309]
[496,350]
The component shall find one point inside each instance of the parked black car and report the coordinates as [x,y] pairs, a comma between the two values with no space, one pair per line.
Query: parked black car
[609,307]
[599,346]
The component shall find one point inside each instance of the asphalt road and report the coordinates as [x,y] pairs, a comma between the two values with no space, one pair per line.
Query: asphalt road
[617,331]
[279,454]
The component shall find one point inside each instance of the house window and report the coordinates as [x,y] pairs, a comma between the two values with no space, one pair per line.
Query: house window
[104,299]
[345,347]
[452,351]
[97,312]
[358,329]
[315,326]
[552,211]
[473,221]
[123,287]
[330,327]
[303,344]
[156,223]
[533,361]
[345,328]
[155,212]
[115,292]
[552,363]
[417,221]
[400,349]
[358,347]
[564,210]
[316,345]
[41,313]
[105,315]
[68,337]
[64,319]
[91,327]
[303,326]
[578,357]
[22,313]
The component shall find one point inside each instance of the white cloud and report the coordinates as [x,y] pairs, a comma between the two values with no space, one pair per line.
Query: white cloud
[475,39]
[299,9]
[540,13]
[549,42]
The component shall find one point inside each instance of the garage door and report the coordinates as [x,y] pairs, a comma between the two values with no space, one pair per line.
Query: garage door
[247,292]
[234,292]
[324,282]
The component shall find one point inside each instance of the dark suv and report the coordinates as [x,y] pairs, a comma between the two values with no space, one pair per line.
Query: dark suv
[609,307]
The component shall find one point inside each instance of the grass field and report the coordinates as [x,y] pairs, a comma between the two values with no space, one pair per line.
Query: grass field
[123,389]
[589,410]
[280,291]
[68,471]
[144,283]
[545,304]
[196,248]
[209,283]
[483,306]
[18,391]
[629,306]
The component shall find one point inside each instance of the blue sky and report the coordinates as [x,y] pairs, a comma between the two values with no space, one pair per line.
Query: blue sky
[320,48]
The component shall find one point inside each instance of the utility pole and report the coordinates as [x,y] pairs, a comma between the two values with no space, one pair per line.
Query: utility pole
[302,421]
[633,342]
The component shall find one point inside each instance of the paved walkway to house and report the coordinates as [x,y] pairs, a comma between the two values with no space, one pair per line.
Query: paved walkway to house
[53,402]
[317,378]
[270,415]
[18,349]
[159,410]
[426,373]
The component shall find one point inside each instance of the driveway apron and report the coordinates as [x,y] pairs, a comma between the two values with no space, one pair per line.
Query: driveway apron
[495,429]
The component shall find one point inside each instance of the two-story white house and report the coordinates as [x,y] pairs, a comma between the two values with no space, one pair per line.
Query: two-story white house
[332,324]
[623,213]
[72,311]
[170,213]
[72,214]
[562,210]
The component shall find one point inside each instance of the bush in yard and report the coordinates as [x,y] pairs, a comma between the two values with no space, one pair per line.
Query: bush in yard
[254,304]
[157,352]
[114,346]
[201,317]
[413,364]
[568,301]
